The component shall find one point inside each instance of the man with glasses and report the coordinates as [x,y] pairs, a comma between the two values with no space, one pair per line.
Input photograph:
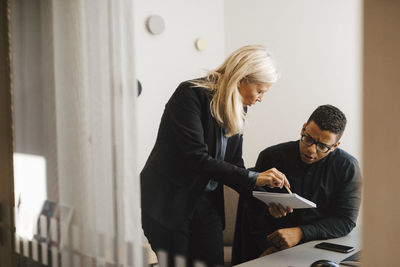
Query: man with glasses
[317,170]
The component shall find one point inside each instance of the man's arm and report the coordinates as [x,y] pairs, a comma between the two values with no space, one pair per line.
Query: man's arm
[341,221]
[344,210]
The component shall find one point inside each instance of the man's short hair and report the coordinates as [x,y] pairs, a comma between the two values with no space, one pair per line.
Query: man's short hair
[329,118]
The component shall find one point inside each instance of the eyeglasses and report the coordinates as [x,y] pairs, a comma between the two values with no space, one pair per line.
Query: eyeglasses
[309,141]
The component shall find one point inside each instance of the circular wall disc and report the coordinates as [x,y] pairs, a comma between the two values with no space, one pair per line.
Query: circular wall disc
[155,24]
[201,44]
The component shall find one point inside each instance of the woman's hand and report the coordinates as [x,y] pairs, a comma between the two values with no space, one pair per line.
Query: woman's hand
[272,178]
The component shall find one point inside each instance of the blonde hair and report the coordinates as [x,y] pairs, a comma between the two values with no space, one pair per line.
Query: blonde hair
[251,62]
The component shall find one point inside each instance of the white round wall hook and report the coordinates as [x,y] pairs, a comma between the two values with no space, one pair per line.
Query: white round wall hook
[201,44]
[155,24]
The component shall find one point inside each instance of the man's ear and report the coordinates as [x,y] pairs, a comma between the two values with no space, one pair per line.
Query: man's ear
[335,146]
[304,126]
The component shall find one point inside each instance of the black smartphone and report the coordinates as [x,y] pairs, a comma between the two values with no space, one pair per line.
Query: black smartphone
[334,247]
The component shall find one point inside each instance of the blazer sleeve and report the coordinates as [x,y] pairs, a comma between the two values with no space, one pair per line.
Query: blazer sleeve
[185,111]
[238,154]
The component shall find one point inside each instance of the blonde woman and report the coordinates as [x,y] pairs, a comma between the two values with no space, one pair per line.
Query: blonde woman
[197,151]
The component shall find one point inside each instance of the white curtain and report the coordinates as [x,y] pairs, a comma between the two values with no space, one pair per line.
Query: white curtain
[75,100]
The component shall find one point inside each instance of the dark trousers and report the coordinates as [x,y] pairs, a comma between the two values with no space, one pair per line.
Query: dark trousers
[199,239]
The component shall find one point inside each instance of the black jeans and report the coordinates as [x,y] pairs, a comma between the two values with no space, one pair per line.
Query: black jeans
[199,239]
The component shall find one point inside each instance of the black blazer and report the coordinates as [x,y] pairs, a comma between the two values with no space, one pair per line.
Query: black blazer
[183,159]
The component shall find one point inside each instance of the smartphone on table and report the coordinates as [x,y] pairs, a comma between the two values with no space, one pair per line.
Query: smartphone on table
[334,247]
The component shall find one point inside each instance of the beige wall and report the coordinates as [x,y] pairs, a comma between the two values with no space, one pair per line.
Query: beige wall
[381,133]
